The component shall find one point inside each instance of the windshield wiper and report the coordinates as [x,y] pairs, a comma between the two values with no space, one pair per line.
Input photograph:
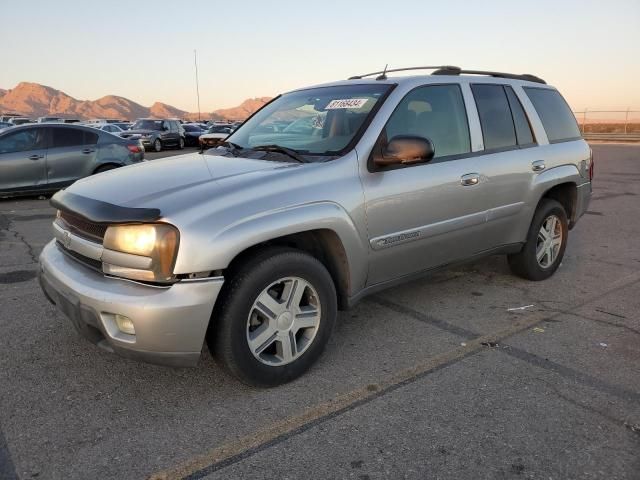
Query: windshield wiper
[231,147]
[279,149]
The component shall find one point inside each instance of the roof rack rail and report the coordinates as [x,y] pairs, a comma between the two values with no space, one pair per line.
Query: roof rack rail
[451,70]
[457,71]
[383,74]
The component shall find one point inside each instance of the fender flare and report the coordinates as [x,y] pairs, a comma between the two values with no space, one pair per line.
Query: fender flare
[231,241]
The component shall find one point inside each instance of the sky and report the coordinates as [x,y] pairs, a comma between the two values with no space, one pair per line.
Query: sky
[143,50]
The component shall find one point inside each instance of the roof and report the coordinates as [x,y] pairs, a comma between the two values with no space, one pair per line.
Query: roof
[440,74]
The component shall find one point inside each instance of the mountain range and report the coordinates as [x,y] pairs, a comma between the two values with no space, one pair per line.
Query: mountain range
[35,100]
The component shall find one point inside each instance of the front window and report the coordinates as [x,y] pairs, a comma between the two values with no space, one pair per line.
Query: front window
[317,121]
[147,125]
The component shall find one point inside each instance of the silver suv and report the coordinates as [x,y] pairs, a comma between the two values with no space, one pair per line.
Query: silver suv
[325,195]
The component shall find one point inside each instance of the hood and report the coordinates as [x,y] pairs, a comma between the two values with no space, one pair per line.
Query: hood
[176,183]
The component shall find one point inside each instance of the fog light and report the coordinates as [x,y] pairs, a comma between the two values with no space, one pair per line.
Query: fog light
[125,325]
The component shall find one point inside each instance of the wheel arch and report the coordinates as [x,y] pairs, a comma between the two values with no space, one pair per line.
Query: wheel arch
[107,163]
[323,230]
[323,244]
[560,184]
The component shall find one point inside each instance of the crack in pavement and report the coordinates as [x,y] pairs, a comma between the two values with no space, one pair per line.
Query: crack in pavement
[5,224]
[632,427]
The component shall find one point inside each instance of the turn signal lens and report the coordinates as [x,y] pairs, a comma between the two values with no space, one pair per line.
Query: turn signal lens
[158,241]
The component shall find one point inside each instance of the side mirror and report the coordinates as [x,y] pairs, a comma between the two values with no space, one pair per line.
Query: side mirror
[406,150]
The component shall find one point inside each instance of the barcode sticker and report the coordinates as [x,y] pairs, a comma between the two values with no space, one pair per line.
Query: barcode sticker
[346,103]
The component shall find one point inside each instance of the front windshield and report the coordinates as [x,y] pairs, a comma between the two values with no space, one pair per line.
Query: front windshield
[317,121]
[147,125]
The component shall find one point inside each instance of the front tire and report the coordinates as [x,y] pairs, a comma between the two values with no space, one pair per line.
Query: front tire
[157,145]
[105,168]
[546,242]
[181,143]
[275,317]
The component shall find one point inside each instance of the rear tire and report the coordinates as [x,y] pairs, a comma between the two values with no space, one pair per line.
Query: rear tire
[105,168]
[157,145]
[545,245]
[272,348]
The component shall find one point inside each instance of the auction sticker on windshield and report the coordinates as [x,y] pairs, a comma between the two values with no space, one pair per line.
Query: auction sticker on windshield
[346,103]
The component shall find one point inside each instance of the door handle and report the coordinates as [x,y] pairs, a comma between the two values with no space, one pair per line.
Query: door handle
[470,179]
[88,150]
[36,157]
[538,165]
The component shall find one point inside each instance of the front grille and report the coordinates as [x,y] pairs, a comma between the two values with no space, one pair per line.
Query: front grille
[88,262]
[83,227]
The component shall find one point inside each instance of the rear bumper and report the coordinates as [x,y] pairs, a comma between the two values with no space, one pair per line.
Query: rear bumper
[583,199]
[170,322]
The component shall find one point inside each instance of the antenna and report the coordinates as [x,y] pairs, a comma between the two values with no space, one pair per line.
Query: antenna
[195,62]
[384,73]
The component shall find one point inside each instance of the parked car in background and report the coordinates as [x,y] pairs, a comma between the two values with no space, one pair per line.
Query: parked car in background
[19,120]
[108,127]
[71,120]
[5,125]
[104,120]
[50,120]
[46,156]
[7,116]
[157,134]
[123,125]
[214,136]
[192,132]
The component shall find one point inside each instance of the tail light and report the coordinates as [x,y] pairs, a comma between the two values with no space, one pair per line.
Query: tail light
[591,165]
[134,148]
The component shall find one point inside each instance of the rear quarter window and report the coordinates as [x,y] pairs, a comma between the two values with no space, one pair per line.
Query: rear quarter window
[556,116]
[496,120]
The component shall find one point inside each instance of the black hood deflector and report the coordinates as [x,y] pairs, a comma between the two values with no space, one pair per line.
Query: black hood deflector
[102,212]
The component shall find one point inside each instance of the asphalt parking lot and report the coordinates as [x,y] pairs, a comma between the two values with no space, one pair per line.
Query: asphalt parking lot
[471,373]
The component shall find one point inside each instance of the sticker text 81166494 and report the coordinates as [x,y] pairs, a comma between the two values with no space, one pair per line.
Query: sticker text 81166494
[346,103]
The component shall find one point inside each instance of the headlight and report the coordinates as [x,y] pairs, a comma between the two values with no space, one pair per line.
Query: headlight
[141,252]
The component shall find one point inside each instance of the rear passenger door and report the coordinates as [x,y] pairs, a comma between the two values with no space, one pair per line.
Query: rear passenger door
[71,155]
[169,133]
[506,162]
[421,216]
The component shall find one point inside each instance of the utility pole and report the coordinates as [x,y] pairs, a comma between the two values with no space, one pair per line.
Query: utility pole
[195,62]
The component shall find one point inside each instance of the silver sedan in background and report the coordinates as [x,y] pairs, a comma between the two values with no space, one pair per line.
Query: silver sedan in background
[38,158]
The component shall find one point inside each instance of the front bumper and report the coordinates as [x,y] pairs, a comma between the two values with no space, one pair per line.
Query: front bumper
[170,322]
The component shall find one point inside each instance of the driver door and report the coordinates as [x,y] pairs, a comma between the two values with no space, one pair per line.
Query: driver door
[425,215]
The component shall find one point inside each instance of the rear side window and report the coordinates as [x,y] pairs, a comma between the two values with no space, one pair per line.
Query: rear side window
[555,114]
[435,112]
[91,138]
[72,137]
[520,120]
[495,116]
[67,137]
[22,141]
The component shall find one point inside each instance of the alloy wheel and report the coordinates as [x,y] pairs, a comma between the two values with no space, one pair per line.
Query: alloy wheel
[549,241]
[283,321]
